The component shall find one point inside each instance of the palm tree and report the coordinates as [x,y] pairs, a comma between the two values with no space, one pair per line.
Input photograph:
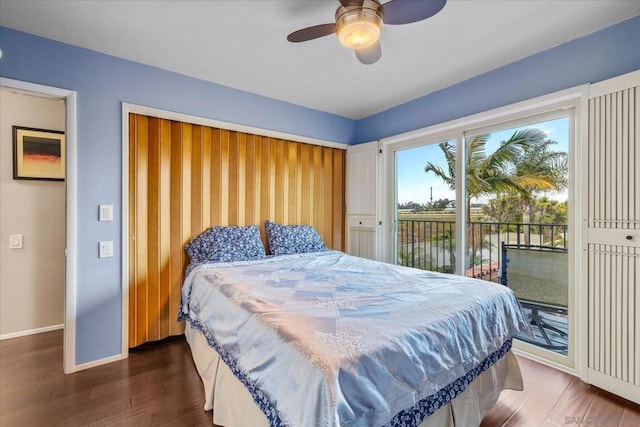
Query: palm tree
[503,171]
[548,167]
[504,208]
[490,173]
[550,211]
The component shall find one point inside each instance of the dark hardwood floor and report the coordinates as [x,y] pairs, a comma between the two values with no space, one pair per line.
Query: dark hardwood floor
[158,385]
[554,398]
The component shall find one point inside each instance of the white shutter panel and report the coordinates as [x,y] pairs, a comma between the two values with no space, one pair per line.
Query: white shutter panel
[613,236]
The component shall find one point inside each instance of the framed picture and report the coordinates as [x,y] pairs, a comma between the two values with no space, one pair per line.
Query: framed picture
[38,154]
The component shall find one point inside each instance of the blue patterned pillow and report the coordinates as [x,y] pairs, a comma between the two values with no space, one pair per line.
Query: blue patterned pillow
[292,239]
[226,244]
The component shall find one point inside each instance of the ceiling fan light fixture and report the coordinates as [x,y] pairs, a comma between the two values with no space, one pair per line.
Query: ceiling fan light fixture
[359,28]
[359,23]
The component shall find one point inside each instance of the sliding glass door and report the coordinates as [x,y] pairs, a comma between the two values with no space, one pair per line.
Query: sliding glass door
[426,207]
[517,233]
[513,206]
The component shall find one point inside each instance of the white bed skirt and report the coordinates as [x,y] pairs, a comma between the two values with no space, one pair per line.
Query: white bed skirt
[233,406]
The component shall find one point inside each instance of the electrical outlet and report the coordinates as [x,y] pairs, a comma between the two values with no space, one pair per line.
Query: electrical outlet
[105,249]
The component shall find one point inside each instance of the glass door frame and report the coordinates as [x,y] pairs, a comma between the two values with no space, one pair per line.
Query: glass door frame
[390,208]
[566,103]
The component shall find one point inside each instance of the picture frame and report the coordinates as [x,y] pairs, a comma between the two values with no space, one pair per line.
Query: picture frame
[38,154]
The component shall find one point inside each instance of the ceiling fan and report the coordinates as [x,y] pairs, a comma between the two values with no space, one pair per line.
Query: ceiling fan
[359,22]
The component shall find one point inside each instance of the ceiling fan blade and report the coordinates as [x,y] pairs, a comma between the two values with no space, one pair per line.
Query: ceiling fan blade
[398,12]
[311,33]
[347,3]
[369,55]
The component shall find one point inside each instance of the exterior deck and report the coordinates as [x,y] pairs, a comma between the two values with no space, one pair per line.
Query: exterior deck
[430,245]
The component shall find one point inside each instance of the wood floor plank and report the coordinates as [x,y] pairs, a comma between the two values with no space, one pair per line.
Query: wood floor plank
[574,403]
[630,417]
[537,403]
[606,410]
[510,401]
[158,385]
[158,382]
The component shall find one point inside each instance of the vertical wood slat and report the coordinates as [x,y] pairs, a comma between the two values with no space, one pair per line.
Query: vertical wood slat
[279,189]
[306,183]
[185,178]
[224,201]
[167,322]
[327,192]
[317,210]
[266,172]
[175,213]
[141,230]
[196,178]
[233,179]
[206,177]
[338,203]
[185,232]
[153,229]
[133,253]
[250,180]
[242,178]
[292,185]
[216,182]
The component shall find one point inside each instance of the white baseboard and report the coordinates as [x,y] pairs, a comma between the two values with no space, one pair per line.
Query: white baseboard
[71,369]
[545,361]
[95,363]
[31,332]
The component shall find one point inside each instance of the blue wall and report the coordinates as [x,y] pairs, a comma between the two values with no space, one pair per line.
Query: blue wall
[598,56]
[103,82]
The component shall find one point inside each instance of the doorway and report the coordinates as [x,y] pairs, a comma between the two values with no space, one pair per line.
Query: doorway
[426,207]
[504,217]
[69,216]
[517,235]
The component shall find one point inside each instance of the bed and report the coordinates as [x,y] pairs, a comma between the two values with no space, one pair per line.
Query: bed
[326,339]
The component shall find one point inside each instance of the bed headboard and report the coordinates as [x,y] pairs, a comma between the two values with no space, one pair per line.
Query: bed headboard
[184,178]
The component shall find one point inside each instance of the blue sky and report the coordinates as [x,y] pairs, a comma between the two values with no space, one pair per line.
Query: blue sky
[414,184]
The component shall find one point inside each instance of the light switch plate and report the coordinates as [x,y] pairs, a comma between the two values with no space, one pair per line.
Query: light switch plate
[106,213]
[15,241]
[105,249]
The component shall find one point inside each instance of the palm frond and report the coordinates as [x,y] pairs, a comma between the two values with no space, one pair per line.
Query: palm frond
[476,150]
[440,173]
[521,165]
[534,182]
[515,147]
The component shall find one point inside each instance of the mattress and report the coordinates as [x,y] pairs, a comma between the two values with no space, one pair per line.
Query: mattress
[327,339]
[233,405]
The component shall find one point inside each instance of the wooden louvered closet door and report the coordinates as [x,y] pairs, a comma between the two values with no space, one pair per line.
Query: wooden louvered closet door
[613,236]
[184,178]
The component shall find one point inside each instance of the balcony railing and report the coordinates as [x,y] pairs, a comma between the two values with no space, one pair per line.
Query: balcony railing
[430,245]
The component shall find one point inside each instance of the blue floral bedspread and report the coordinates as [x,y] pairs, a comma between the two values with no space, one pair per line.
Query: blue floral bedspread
[327,339]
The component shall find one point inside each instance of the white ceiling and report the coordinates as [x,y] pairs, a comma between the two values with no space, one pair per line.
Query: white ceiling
[242,44]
